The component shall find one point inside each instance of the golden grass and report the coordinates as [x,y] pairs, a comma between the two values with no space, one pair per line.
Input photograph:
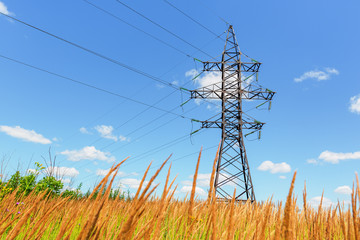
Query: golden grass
[146,217]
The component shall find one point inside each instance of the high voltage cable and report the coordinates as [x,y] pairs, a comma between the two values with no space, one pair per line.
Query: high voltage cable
[93,87]
[101,56]
[96,53]
[165,29]
[146,124]
[191,18]
[103,90]
[98,139]
[177,159]
[218,36]
[213,12]
[156,149]
[153,130]
[104,57]
[164,146]
[139,29]
[158,165]
[200,24]
[134,117]
[102,115]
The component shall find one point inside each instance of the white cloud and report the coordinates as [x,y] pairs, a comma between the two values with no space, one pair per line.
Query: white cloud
[312,161]
[88,153]
[123,138]
[133,183]
[334,158]
[62,171]
[315,202]
[203,180]
[282,177]
[84,130]
[274,167]
[343,190]
[191,73]
[332,71]
[355,104]
[198,191]
[106,132]
[4,9]
[318,75]
[24,134]
[103,172]
[66,180]
[160,86]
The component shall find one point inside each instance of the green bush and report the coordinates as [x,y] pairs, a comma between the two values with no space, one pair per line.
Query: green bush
[24,185]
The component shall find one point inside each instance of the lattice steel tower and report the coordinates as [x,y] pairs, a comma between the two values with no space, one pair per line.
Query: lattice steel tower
[236,83]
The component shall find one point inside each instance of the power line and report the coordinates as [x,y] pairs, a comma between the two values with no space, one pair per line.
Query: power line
[158,165]
[137,28]
[151,131]
[213,12]
[218,36]
[96,53]
[93,87]
[137,115]
[162,147]
[99,55]
[106,91]
[154,150]
[165,29]
[191,18]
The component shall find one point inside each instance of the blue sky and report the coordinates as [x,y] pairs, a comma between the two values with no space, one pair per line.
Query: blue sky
[309,53]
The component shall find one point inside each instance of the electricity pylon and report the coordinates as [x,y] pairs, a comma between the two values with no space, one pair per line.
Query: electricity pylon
[233,171]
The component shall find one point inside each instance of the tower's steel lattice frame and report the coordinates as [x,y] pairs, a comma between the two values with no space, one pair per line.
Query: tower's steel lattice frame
[232,171]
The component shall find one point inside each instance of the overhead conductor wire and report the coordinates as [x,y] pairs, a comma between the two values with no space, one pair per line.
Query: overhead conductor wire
[107,58]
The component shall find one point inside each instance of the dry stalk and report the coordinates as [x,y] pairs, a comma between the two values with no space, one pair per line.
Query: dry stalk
[230,229]
[287,231]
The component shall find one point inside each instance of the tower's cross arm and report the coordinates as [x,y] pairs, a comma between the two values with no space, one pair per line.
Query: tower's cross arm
[245,66]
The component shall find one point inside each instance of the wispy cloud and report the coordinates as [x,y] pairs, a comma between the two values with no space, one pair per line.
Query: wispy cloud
[334,158]
[103,172]
[355,104]
[315,202]
[203,180]
[66,180]
[106,132]
[123,138]
[133,183]
[274,167]
[88,153]
[198,190]
[4,9]
[312,161]
[62,171]
[83,130]
[24,134]
[318,75]
[346,190]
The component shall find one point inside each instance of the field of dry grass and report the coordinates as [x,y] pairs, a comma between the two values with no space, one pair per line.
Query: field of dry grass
[147,217]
